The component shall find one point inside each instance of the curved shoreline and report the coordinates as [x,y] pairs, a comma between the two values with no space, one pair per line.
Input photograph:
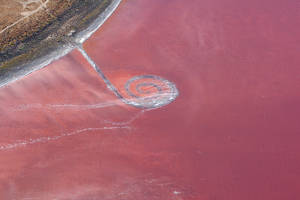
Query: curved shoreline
[56,44]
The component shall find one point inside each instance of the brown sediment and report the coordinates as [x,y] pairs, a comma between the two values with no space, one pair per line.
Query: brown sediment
[40,27]
[20,19]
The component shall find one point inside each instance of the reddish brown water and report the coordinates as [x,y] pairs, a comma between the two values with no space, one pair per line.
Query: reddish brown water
[232,133]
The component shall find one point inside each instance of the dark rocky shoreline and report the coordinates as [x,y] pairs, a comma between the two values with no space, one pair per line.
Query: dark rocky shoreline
[60,32]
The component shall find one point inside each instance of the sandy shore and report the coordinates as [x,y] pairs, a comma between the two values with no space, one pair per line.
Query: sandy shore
[20,19]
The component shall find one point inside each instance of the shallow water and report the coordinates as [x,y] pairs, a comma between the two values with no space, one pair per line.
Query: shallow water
[232,133]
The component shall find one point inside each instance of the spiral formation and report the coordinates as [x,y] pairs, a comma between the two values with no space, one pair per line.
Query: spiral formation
[149,91]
